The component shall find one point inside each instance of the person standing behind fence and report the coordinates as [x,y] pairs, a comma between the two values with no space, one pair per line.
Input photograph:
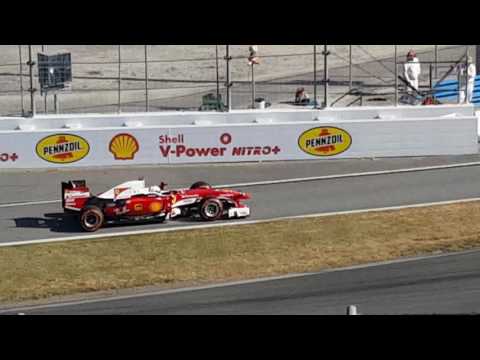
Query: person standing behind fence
[466,79]
[412,71]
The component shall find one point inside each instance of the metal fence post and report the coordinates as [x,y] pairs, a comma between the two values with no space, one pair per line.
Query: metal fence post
[466,78]
[146,79]
[314,76]
[32,90]
[45,94]
[350,73]
[253,85]
[21,78]
[396,75]
[436,61]
[325,75]
[218,75]
[229,93]
[430,75]
[119,78]
[56,107]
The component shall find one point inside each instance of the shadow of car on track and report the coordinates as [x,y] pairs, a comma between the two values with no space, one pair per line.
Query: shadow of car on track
[67,223]
[56,222]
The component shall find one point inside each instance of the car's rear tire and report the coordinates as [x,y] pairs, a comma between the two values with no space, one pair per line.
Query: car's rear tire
[200,185]
[211,209]
[91,219]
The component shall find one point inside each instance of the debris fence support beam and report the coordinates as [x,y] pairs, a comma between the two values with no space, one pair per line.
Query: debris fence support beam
[396,75]
[350,72]
[119,78]
[45,94]
[21,77]
[229,92]
[325,75]
[32,90]
[477,49]
[146,79]
[314,76]
[218,74]
[436,61]
[253,85]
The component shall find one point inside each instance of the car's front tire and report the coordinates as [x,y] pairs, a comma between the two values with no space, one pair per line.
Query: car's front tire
[91,218]
[211,209]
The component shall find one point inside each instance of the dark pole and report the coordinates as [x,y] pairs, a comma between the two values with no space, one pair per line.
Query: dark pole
[325,75]
[350,72]
[253,85]
[229,93]
[119,77]
[315,76]
[21,77]
[396,75]
[45,94]
[146,79]
[218,76]
[32,90]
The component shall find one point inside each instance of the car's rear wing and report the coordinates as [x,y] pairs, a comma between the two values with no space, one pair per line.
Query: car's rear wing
[74,194]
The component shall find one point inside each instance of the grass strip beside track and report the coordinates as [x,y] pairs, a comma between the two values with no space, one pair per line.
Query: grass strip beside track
[234,253]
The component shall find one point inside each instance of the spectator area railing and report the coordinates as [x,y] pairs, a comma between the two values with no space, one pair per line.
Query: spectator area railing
[448,90]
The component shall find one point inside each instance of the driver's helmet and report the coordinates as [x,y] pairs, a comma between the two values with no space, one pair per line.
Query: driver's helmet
[155,189]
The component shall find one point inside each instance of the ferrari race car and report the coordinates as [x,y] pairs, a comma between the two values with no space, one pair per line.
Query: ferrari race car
[134,202]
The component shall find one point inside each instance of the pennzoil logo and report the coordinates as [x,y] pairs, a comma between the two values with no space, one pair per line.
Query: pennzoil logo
[124,147]
[325,141]
[62,148]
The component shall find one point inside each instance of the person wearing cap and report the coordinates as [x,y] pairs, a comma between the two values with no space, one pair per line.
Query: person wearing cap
[467,80]
[412,71]
[253,58]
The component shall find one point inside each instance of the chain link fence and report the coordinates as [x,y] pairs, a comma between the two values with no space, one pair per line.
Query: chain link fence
[138,78]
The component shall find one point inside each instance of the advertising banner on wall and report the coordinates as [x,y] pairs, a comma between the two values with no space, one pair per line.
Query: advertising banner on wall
[237,143]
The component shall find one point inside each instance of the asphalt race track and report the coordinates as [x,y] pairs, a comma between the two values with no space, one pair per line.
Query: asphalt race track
[43,221]
[441,285]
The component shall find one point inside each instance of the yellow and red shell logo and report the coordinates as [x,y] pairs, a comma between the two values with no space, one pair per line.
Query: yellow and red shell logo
[156,206]
[325,141]
[62,148]
[124,147]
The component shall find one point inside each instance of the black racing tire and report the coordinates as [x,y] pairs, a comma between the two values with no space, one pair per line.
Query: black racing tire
[211,209]
[200,185]
[91,219]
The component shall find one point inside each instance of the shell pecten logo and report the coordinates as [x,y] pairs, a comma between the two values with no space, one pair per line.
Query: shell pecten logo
[124,147]
[325,141]
[62,148]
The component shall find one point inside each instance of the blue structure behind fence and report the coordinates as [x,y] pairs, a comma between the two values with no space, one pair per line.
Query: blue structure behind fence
[448,91]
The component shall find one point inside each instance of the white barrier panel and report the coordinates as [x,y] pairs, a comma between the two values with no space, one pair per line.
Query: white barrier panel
[239,142]
[168,119]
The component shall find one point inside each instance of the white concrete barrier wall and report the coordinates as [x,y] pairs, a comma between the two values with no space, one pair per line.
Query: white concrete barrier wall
[453,133]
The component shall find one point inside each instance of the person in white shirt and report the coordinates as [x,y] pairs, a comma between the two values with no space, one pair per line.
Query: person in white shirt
[412,71]
[467,80]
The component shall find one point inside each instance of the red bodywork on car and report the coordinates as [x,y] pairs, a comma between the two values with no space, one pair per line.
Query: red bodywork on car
[136,203]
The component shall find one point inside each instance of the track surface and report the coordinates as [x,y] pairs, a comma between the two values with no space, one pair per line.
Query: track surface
[442,285]
[33,222]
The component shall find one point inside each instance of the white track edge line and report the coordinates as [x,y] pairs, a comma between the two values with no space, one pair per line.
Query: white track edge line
[295,180]
[226,224]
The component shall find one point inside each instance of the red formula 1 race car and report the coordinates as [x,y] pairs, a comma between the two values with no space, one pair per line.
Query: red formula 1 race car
[134,202]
